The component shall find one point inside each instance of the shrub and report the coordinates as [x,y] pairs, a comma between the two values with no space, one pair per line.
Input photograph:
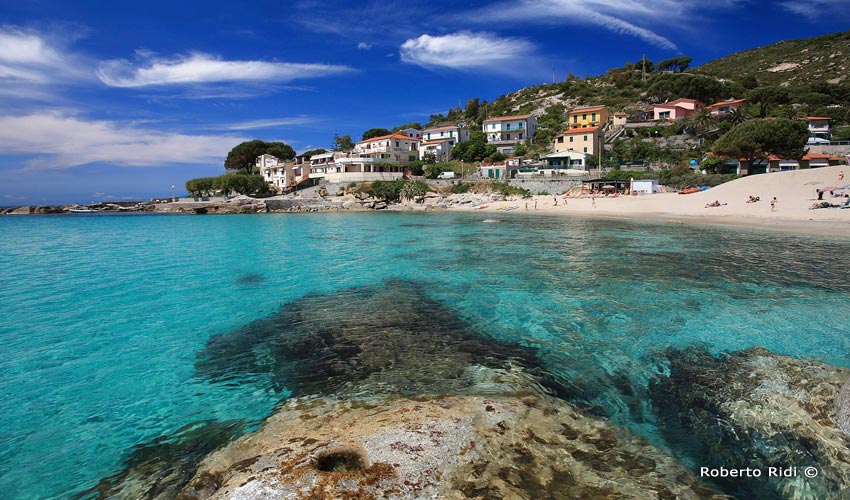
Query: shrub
[506,189]
[460,187]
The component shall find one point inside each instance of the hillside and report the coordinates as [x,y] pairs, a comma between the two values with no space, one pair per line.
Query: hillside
[792,62]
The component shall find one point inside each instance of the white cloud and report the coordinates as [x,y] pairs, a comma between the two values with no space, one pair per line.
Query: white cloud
[271,122]
[29,62]
[59,141]
[466,51]
[364,46]
[199,68]
[816,9]
[629,17]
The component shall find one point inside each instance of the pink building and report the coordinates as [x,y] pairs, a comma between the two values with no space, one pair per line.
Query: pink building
[675,110]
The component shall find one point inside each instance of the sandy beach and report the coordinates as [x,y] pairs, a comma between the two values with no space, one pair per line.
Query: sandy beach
[795,192]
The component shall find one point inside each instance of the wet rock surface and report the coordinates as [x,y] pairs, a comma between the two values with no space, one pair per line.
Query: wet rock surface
[760,410]
[453,447]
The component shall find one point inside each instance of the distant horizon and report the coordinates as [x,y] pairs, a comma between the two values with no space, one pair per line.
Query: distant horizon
[98,108]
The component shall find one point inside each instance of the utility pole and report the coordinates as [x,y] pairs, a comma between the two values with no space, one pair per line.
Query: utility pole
[643,70]
[553,76]
[599,153]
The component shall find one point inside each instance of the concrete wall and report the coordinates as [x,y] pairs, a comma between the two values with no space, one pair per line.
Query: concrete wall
[835,150]
[539,185]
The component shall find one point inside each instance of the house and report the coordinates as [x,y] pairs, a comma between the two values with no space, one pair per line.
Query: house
[507,131]
[723,107]
[589,116]
[620,119]
[454,133]
[282,176]
[644,186]
[585,140]
[379,158]
[819,126]
[440,148]
[411,132]
[675,110]
[564,162]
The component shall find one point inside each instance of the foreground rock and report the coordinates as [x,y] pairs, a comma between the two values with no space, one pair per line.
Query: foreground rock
[453,447]
[755,409]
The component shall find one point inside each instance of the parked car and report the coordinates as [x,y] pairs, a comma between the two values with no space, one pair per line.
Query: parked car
[446,175]
[817,140]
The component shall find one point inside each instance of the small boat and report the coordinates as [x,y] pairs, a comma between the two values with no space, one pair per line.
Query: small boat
[82,210]
[690,190]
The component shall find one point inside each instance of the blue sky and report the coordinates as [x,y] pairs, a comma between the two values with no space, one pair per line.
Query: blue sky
[121,100]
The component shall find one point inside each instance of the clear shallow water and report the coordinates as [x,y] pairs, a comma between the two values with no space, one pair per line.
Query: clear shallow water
[101,317]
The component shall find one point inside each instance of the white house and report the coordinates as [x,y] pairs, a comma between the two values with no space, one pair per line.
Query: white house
[440,148]
[411,132]
[566,162]
[378,158]
[507,131]
[454,133]
[282,176]
[819,126]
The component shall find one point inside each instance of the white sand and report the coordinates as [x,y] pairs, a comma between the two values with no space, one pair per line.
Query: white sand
[793,190]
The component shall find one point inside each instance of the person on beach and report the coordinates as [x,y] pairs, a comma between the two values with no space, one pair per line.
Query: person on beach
[535,203]
[840,175]
[773,204]
[526,206]
[555,199]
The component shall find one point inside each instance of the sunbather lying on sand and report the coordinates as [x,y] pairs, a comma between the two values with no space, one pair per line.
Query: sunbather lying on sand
[714,204]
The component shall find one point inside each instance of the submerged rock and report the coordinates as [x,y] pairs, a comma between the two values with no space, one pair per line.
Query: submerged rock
[453,447]
[756,409]
[163,466]
[389,339]
[842,408]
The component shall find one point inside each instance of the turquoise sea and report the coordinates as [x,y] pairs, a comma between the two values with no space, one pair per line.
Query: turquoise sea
[102,316]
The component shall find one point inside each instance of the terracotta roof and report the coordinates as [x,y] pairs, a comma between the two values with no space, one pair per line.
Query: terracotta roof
[391,136]
[505,118]
[437,129]
[620,113]
[727,103]
[818,118]
[584,130]
[588,108]
[820,156]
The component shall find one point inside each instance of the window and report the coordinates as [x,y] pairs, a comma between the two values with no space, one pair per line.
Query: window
[575,118]
[520,124]
[593,117]
[585,138]
[451,143]
[508,137]
[560,139]
[396,143]
[664,114]
[584,117]
[585,149]
[571,138]
[508,126]
[411,158]
[519,137]
[428,137]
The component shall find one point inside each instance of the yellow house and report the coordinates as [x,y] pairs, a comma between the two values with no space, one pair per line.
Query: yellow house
[584,140]
[592,116]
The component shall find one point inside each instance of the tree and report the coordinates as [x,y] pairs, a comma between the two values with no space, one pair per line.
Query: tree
[375,132]
[737,116]
[677,64]
[411,190]
[314,152]
[342,143]
[521,149]
[755,139]
[769,96]
[701,122]
[473,107]
[244,155]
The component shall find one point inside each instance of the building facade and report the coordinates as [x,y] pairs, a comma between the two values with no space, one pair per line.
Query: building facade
[585,140]
[592,116]
[819,126]
[675,110]
[723,107]
[507,131]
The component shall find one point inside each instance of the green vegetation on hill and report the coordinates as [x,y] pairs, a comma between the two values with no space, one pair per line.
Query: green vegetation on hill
[795,62]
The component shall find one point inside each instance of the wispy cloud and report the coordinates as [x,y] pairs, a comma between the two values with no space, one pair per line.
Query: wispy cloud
[200,68]
[364,46]
[59,140]
[607,14]
[271,122]
[465,51]
[30,63]
[816,9]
